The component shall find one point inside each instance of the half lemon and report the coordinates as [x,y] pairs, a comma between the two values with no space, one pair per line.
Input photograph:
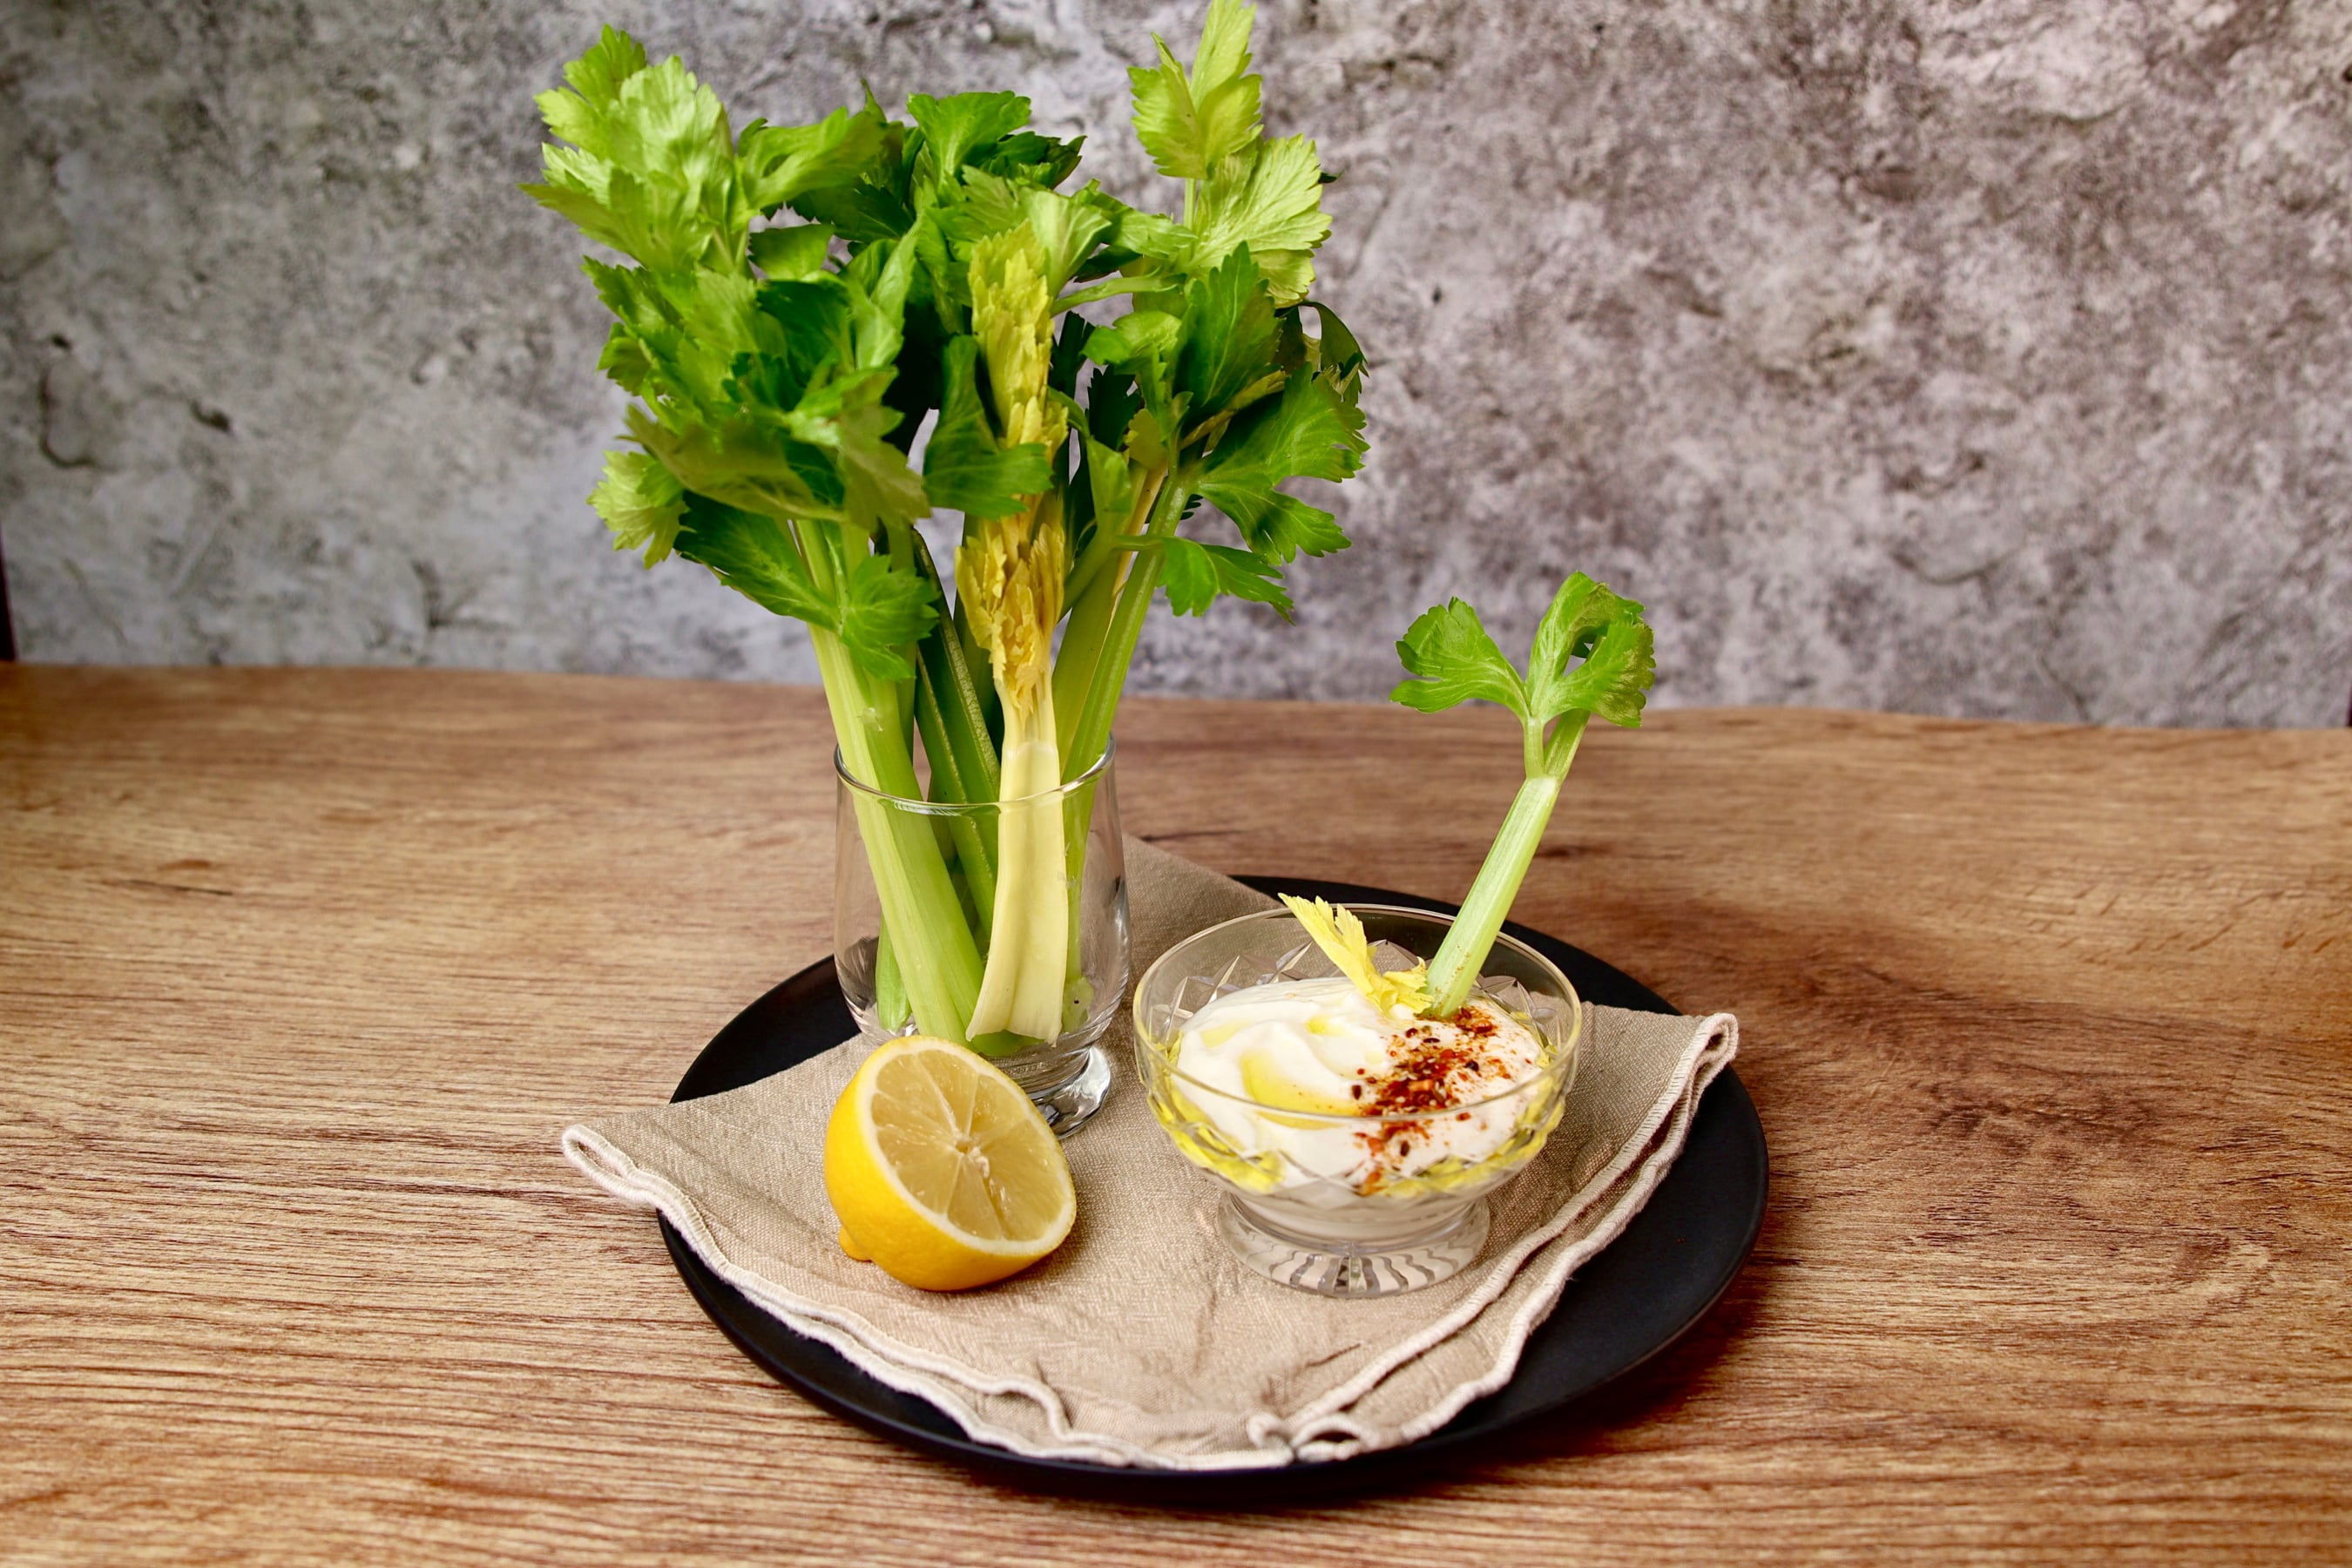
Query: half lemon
[941,1170]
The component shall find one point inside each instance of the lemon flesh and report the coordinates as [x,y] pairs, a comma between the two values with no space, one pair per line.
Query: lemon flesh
[941,1170]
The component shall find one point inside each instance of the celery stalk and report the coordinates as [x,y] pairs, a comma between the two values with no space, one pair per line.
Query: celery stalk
[1098,579]
[1454,970]
[1021,990]
[1593,655]
[937,956]
[1091,734]
[1082,645]
[1010,575]
[889,986]
[954,725]
[974,851]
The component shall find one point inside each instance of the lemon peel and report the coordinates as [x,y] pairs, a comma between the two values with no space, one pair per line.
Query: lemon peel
[940,1171]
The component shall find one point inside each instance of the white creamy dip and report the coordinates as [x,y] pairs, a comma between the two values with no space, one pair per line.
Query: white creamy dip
[1321,1046]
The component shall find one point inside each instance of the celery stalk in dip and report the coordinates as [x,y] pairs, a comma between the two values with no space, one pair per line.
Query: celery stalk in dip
[1392,1047]
[1593,655]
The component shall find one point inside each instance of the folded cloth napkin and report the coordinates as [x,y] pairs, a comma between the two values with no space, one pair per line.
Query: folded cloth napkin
[1142,1341]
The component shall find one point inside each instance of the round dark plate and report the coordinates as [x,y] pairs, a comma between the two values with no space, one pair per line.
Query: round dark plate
[1645,1290]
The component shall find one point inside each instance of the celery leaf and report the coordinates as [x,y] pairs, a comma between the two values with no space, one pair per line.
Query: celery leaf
[1191,123]
[1068,227]
[597,75]
[1311,431]
[651,170]
[963,467]
[954,128]
[1449,648]
[881,612]
[1031,158]
[1271,201]
[875,611]
[877,485]
[1195,575]
[784,163]
[794,250]
[640,502]
[754,556]
[861,212]
[1606,632]
[1277,526]
[1337,352]
[1229,334]
[876,202]
[1138,338]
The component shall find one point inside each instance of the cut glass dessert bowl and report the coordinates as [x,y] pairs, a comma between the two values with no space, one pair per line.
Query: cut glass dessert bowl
[1354,1149]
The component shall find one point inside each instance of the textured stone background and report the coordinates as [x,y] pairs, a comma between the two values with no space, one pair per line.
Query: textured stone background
[1981,358]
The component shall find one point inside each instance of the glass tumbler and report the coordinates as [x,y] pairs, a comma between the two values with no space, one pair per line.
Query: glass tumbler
[913,877]
[1295,1204]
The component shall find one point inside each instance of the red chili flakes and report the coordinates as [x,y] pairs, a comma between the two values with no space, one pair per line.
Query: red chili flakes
[1431,1069]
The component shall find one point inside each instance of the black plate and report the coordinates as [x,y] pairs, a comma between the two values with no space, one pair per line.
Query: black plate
[1648,1288]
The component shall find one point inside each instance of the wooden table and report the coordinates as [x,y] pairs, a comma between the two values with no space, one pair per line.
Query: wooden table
[301,972]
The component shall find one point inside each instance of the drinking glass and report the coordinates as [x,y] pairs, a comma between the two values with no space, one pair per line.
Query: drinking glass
[1067,1075]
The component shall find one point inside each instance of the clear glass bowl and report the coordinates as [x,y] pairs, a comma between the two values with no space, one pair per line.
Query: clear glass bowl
[1291,1208]
[954,846]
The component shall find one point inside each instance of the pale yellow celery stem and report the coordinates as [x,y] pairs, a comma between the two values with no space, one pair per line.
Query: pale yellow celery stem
[1009,579]
[1019,580]
[1021,989]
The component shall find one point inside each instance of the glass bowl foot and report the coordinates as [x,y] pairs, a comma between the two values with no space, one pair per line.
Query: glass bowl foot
[1353,1268]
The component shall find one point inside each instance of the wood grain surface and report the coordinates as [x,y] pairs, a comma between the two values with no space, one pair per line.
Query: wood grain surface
[301,972]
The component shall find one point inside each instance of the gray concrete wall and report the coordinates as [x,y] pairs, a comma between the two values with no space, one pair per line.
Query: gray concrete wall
[1982,357]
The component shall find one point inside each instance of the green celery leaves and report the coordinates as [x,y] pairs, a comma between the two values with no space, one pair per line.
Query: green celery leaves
[782,164]
[796,301]
[651,170]
[875,611]
[1449,648]
[1592,656]
[1311,431]
[1606,633]
[954,128]
[963,467]
[797,250]
[641,502]
[1229,337]
[1191,123]
[1242,192]
[1194,574]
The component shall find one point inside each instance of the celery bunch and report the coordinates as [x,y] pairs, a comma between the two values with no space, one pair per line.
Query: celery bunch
[801,301]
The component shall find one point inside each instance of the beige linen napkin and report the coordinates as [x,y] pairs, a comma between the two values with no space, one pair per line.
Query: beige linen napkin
[1142,1341]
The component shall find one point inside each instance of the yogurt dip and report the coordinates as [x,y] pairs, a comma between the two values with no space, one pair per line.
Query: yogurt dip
[1323,1047]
